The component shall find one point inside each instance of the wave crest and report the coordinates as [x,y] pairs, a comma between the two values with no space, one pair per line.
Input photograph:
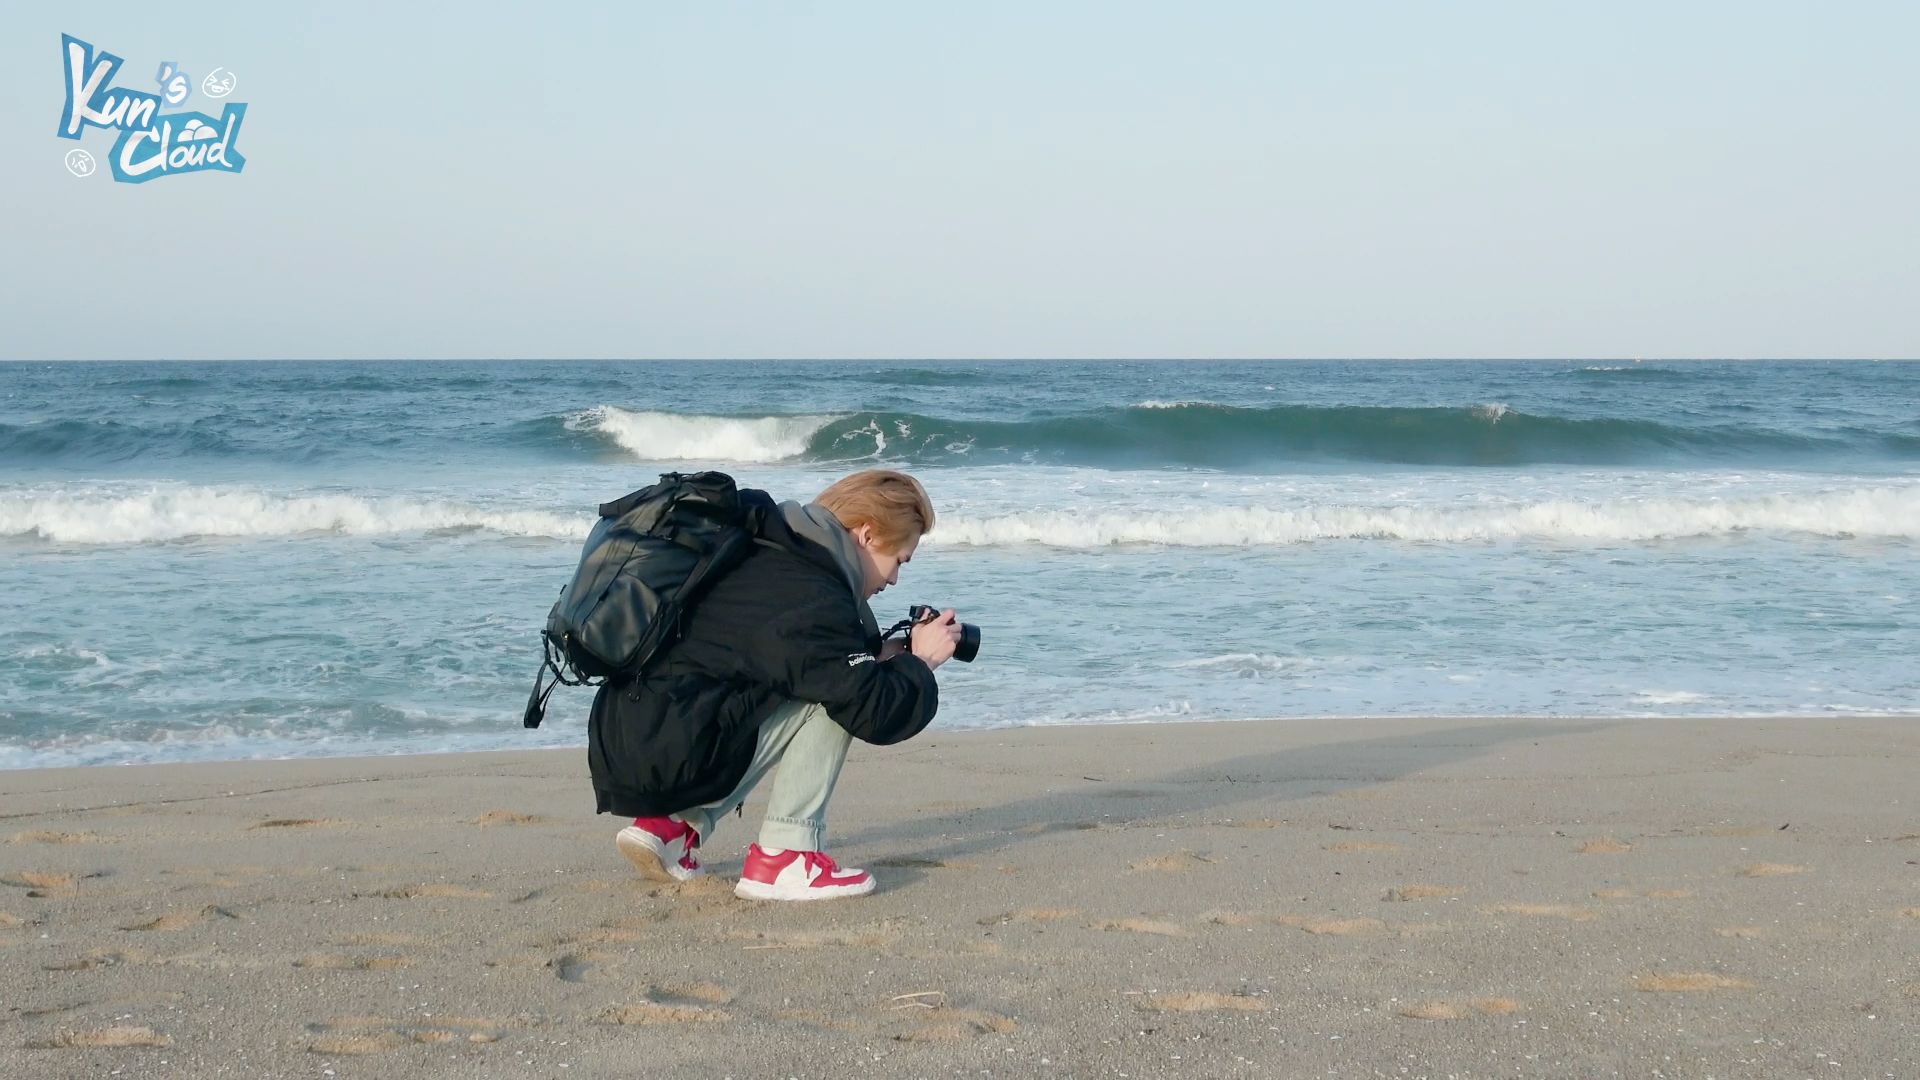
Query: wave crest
[665,436]
[176,514]
[1876,513]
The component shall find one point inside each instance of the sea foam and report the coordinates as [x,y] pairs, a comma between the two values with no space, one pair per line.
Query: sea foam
[1881,513]
[663,436]
[165,514]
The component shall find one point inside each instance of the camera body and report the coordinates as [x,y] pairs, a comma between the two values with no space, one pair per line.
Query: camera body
[968,646]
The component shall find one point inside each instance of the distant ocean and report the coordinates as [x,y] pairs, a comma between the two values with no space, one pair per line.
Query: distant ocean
[239,560]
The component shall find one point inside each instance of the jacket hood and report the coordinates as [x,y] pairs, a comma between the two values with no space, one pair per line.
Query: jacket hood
[816,525]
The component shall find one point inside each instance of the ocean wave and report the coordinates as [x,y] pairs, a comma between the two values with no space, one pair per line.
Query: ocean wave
[1868,513]
[164,382]
[666,436]
[106,440]
[162,515]
[1603,372]
[1206,435]
[1250,665]
[170,514]
[915,377]
[1151,434]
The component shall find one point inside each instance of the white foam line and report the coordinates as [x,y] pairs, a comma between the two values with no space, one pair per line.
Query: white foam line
[177,513]
[1879,513]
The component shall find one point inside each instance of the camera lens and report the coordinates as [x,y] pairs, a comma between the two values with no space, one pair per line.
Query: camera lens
[969,645]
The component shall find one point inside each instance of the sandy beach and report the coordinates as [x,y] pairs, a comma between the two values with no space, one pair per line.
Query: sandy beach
[1418,898]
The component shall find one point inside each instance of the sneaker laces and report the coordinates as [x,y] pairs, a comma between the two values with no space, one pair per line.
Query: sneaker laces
[821,862]
[687,858]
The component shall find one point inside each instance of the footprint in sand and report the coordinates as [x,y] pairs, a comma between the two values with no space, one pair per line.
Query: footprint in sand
[1140,926]
[1688,982]
[1360,846]
[1771,869]
[180,920]
[1405,893]
[702,895]
[1605,845]
[665,1010]
[1200,1001]
[934,1019]
[1179,862]
[575,967]
[45,883]
[100,958]
[1449,1010]
[1905,913]
[374,1035]
[39,836]
[1543,911]
[124,1035]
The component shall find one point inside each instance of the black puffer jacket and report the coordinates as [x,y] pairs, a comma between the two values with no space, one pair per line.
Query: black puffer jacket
[783,625]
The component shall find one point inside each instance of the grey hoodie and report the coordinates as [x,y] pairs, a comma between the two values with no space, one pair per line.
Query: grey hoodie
[816,523]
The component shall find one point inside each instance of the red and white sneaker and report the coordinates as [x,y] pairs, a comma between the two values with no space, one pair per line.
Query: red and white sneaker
[798,875]
[661,848]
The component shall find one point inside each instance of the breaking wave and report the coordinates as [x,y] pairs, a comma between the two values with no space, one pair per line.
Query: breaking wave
[169,514]
[179,513]
[1865,513]
[666,436]
[1207,435]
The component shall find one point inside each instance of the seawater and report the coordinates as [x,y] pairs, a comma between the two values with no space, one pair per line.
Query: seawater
[266,559]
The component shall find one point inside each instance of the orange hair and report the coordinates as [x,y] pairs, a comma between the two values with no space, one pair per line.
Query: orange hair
[893,503]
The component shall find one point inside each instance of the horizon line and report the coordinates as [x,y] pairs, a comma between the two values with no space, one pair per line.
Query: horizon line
[948,359]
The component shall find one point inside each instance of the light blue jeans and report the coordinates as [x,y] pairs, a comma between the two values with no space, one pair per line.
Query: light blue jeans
[809,747]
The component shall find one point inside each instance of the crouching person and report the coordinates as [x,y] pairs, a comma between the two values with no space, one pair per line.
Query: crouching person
[778,668]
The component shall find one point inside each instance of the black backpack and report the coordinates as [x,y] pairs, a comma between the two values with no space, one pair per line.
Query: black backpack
[645,563]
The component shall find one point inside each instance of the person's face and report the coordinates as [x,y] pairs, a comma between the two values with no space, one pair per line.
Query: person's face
[879,566]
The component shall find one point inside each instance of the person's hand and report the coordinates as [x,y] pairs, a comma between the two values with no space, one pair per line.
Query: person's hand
[935,639]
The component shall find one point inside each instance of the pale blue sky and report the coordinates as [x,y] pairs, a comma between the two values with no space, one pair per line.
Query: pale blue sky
[877,180]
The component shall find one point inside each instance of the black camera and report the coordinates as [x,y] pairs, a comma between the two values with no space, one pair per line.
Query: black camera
[964,650]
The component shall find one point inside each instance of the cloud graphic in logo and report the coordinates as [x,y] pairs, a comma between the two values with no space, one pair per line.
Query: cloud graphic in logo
[217,85]
[80,163]
[196,131]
